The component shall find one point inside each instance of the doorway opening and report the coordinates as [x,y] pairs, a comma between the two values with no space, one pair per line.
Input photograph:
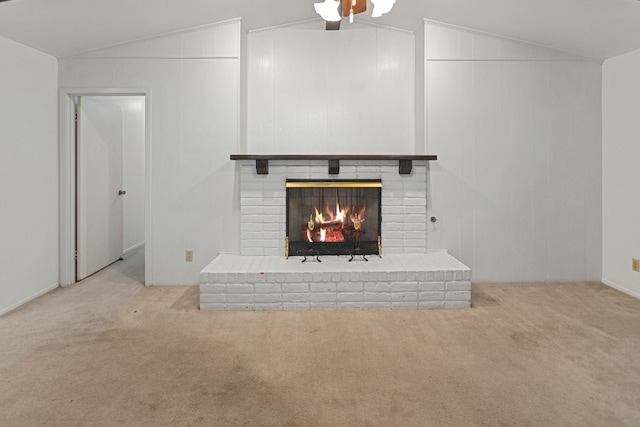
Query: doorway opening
[110,183]
[105,169]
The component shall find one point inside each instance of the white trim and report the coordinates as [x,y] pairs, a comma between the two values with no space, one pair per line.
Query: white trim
[621,288]
[67,176]
[132,248]
[29,298]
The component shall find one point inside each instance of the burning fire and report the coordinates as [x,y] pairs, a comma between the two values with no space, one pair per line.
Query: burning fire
[332,227]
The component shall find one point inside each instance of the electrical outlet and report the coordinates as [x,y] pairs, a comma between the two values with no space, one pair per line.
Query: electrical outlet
[188,256]
[635,264]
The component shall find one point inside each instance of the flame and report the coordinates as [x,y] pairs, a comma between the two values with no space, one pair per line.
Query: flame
[329,224]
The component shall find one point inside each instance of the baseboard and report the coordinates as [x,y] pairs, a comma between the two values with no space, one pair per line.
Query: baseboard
[23,301]
[133,248]
[621,288]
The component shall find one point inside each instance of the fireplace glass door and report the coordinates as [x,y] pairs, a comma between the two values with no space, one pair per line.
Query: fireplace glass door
[333,217]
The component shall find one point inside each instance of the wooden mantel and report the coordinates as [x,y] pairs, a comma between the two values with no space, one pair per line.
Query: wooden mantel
[404,160]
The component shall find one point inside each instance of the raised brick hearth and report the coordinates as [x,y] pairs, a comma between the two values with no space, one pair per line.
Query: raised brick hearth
[419,281]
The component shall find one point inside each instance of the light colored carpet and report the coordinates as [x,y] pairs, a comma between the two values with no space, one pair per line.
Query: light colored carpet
[109,351]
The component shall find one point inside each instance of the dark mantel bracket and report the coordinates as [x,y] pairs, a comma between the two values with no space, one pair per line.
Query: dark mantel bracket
[405,162]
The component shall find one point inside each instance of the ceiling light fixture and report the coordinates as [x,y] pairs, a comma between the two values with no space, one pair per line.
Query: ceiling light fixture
[333,10]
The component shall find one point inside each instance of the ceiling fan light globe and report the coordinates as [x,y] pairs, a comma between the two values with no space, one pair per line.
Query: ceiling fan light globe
[328,10]
[380,7]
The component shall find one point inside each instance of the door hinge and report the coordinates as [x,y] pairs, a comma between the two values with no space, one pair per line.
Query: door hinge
[75,255]
[75,117]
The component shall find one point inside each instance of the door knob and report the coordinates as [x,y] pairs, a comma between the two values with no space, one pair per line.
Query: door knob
[121,192]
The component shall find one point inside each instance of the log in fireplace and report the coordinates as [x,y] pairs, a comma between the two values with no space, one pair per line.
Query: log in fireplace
[333,217]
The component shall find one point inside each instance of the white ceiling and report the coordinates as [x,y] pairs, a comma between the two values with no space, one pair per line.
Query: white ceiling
[597,29]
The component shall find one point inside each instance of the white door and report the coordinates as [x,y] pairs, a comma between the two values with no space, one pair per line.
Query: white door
[98,184]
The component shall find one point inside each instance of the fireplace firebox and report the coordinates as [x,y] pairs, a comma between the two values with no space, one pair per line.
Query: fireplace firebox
[334,217]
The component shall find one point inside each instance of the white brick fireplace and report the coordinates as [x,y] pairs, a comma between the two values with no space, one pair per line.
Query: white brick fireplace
[405,277]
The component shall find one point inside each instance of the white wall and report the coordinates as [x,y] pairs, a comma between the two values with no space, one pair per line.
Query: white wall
[28,174]
[621,171]
[194,80]
[317,91]
[517,131]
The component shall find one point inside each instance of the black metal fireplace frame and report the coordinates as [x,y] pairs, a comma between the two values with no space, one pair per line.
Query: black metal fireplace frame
[362,247]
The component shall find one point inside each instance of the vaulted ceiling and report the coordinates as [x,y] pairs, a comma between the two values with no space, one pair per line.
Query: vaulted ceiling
[597,29]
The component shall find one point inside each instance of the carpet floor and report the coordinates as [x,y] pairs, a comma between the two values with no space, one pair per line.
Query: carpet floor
[109,351]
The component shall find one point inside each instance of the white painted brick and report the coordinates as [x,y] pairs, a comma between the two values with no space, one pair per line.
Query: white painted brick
[439,276]
[414,227]
[239,289]
[281,277]
[411,276]
[430,305]
[391,226]
[326,277]
[350,287]
[248,251]
[377,287]
[350,305]
[336,277]
[466,275]
[268,306]
[297,297]
[431,286]
[448,275]
[404,305]
[404,286]
[404,296]
[457,304]
[295,306]
[317,277]
[295,287]
[377,296]
[274,226]
[240,307]
[253,218]
[253,201]
[322,287]
[252,210]
[240,298]
[322,306]
[232,278]
[413,210]
[205,306]
[349,296]
[212,298]
[322,297]
[294,278]
[430,276]
[458,296]
[256,277]
[431,296]
[222,278]
[377,305]
[458,286]
[401,276]
[268,298]
[212,288]
[308,277]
